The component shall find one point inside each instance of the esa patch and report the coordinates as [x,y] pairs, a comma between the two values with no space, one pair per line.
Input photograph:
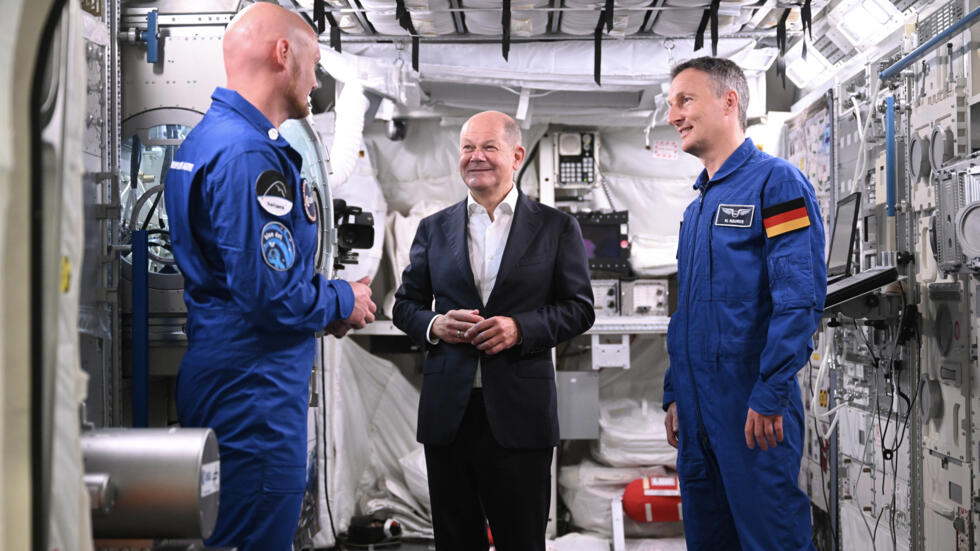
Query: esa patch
[275,195]
[735,216]
[785,217]
[278,250]
[309,201]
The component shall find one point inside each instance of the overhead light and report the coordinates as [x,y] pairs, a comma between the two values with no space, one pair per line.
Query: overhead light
[865,22]
[759,59]
[806,72]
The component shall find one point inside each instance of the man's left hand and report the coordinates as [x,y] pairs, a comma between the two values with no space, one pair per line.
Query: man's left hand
[767,430]
[494,335]
[338,328]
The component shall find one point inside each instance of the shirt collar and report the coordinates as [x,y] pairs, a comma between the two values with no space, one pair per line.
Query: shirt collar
[735,160]
[507,205]
[234,101]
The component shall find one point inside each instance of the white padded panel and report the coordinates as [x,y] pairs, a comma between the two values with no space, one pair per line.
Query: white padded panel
[430,19]
[584,22]
[683,23]
[522,23]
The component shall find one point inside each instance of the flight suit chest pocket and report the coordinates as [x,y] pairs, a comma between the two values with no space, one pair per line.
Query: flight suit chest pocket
[738,269]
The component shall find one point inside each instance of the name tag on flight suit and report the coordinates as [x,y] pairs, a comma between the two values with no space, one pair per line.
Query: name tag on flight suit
[735,216]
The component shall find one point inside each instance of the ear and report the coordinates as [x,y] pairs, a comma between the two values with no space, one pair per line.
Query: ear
[519,153]
[282,52]
[731,102]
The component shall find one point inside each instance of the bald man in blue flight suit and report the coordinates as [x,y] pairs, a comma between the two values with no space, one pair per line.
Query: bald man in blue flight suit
[243,227]
[752,283]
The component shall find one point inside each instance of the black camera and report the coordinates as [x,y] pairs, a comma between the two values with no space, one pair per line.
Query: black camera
[355,230]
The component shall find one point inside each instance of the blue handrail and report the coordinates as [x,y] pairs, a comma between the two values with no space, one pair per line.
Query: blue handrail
[141,351]
[922,50]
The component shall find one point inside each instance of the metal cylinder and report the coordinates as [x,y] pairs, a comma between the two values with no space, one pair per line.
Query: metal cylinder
[165,482]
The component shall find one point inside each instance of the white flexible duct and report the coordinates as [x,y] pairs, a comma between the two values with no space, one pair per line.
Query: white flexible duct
[348,132]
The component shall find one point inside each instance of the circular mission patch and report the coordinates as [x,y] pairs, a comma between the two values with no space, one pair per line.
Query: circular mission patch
[278,250]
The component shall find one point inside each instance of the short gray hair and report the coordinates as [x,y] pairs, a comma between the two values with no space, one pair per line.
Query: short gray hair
[725,75]
[512,131]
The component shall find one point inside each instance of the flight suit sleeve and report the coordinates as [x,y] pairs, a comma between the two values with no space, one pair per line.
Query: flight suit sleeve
[276,289]
[794,245]
[413,312]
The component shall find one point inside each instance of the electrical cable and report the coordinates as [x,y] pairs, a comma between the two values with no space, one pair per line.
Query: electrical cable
[323,417]
[823,476]
[527,162]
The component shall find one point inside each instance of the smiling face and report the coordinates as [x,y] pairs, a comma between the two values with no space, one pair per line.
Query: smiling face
[698,113]
[488,155]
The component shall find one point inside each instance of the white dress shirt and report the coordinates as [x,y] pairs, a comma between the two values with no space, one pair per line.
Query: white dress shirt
[486,241]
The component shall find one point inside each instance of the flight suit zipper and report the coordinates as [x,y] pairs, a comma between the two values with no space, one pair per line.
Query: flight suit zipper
[702,436]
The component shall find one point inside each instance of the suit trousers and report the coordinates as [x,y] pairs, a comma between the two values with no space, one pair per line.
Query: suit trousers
[474,480]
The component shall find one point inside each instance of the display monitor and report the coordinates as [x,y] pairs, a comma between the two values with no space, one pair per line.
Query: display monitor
[842,237]
[606,240]
[602,241]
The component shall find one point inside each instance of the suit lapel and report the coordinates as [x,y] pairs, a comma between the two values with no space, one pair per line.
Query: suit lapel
[454,225]
[522,231]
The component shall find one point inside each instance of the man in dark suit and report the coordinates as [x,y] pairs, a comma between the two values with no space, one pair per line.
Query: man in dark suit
[510,281]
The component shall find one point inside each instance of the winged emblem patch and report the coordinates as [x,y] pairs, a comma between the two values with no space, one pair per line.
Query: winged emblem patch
[735,216]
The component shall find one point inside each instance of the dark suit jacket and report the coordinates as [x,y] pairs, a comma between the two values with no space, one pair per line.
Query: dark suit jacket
[543,283]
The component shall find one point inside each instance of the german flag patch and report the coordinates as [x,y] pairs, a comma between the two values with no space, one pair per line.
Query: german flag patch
[785,217]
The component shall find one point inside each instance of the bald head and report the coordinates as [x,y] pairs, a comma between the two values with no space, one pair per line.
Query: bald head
[271,52]
[511,132]
[250,39]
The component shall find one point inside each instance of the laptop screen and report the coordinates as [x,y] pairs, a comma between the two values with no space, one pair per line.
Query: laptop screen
[842,238]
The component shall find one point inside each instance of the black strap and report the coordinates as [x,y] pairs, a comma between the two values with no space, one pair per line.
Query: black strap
[597,57]
[404,18]
[713,10]
[415,53]
[781,69]
[609,15]
[807,18]
[318,16]
[505,24]
[781,32]
[334,33]
[781,44]
[699,36]
[807,24]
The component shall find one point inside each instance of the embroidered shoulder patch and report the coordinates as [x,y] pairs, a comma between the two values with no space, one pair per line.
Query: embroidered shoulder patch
[274,193]
[278,250]
[735,216]
[310,203]
[785,217]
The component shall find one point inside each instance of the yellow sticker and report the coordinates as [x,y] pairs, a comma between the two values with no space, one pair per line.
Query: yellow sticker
[65,274]
[823,398]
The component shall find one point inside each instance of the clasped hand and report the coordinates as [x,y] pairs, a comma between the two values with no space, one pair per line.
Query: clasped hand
[491,335]
[362,313]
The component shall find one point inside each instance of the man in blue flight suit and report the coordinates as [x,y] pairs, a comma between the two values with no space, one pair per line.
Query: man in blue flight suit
[752,282]
[245,238]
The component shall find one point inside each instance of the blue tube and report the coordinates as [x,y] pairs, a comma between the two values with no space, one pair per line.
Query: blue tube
[141,352]
[890,155]
[922,50]
[150,37]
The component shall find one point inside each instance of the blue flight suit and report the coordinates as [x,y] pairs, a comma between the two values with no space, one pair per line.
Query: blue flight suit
[747,307]
[245,240]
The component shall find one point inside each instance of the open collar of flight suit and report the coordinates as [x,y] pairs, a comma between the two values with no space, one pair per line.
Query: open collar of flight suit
[233,101]
[734,161]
